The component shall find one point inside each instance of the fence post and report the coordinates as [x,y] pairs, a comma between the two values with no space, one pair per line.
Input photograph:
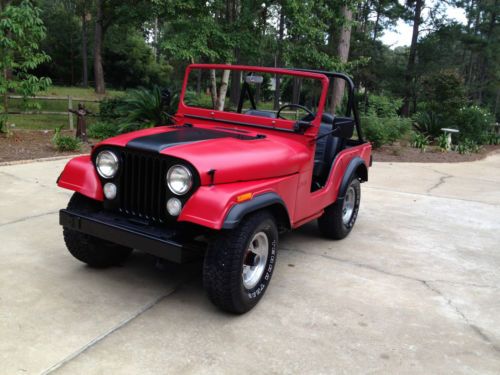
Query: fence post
[70,115]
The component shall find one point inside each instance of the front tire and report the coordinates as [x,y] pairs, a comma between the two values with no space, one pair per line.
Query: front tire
[338,219]
[239,263]
[94,251]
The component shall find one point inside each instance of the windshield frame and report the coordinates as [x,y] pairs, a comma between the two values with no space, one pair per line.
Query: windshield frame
[243,119]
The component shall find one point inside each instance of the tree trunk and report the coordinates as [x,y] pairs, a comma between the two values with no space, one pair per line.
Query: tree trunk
[213,88]
[223,90]
[278,61]
[377,21]
[410,69]
[100,87]
[343,54]
[85,69]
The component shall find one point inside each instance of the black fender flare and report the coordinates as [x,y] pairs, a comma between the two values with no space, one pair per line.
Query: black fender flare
[238,211]
[350,171]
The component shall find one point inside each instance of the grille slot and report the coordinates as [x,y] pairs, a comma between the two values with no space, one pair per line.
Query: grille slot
[142,185]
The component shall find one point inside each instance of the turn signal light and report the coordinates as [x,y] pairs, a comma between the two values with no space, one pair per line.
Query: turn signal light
[244,197]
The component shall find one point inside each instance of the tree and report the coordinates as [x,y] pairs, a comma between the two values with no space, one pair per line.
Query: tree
[417,6]
[21,31]
[343,46]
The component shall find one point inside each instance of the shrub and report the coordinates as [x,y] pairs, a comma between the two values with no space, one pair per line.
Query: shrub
[381,106]
[384,130]
[420,141]
[474,123]
[467,146]
[442,142]
[108,109]
[102,130]
[428,123]
[65,143]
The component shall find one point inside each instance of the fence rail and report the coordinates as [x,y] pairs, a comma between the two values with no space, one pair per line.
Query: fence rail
[70,100]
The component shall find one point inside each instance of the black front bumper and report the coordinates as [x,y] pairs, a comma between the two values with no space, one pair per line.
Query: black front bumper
[163,242]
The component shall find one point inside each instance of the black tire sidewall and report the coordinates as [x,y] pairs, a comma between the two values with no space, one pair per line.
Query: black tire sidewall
[252,296]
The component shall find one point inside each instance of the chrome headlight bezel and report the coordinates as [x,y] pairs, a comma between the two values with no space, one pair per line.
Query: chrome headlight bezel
[173,180]
[114,160]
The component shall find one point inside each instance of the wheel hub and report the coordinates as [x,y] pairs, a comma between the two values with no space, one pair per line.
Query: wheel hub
[348,205]
[255,260]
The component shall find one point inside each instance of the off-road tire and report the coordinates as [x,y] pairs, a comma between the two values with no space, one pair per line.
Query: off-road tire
[94,251]
[223,264]
[331,223]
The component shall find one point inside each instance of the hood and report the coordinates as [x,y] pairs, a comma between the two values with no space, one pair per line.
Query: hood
[234,155]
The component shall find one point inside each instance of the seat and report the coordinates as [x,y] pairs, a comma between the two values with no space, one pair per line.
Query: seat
[326,149]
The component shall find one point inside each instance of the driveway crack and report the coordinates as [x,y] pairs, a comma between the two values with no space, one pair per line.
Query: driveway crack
[442,180]
[426,283]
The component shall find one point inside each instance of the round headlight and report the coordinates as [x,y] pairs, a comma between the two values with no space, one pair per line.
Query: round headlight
[107,164]
[179,179]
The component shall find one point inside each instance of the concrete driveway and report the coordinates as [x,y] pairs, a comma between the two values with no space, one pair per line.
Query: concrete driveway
[413,289]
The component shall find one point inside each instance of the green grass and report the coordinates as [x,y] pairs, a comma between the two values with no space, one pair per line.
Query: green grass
[78,92]
[41,122]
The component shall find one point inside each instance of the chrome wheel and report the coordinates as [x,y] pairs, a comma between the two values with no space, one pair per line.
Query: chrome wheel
[348,206]
[255,260]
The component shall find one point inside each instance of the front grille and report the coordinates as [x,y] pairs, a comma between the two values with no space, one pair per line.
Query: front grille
[143,188]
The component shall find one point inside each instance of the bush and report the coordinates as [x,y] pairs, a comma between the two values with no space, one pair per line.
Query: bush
[420,141]
[428,123]
[108,109]
[442,142]
[384,130]
[102,130]
[381,106]
[474,123]
[467,146]
[65,143]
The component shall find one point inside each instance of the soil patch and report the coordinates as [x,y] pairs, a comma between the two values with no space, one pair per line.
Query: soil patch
[398,153]
[30,144]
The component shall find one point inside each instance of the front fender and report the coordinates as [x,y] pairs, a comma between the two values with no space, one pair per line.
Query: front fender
[210,206]
[80,175]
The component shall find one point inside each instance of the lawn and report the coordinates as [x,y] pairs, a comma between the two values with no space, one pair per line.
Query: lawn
[47,121]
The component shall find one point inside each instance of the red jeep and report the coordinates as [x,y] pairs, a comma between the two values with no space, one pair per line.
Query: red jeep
[224,180]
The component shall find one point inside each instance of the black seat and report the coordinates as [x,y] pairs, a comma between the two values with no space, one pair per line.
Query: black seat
[326,149]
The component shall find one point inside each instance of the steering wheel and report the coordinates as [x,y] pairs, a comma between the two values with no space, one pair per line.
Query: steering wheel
[294,106]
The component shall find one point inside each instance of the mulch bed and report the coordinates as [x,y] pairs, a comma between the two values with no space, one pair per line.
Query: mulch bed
[398,153]
[31,144]
[34,144]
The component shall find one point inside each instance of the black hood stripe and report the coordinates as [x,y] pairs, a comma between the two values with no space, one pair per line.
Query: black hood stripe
[161,141]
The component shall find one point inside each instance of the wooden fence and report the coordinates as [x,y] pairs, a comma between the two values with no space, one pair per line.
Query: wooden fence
[69,99]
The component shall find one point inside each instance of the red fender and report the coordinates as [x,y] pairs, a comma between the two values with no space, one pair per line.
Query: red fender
[80,175]
[210,205]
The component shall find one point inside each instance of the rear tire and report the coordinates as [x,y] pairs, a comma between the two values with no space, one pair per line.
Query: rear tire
[94,251]
[239,263]
[338,219]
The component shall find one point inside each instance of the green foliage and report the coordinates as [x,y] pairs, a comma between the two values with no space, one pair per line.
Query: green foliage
[474,123]
[21,31]
[108,109]
[384,130]
[142,108]
[444,93]
[467,146]
[428,123]
[102,130]
[420,141]
[382,106]
[65,143]
[493,139]
[442,142]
